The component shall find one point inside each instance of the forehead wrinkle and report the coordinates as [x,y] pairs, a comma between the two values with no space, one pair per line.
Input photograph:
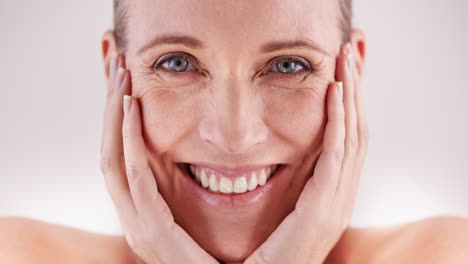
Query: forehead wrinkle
[274,16]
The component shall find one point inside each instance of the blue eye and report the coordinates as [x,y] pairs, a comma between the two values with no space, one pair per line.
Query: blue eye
[176,63]
[290,65]
[183,63]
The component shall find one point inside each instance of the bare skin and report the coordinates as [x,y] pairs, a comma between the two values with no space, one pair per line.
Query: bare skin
[233,110]
[432,240]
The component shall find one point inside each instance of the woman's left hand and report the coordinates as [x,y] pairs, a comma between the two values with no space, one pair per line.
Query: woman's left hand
[323,210]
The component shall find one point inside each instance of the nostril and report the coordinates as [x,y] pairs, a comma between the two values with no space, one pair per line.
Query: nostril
[234,137]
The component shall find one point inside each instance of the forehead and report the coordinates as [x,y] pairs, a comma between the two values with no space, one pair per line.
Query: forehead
[235,23]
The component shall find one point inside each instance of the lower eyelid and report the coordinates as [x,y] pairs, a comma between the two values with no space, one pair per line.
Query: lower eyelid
[158,66]
[166,73]
[292,77]
[302,64]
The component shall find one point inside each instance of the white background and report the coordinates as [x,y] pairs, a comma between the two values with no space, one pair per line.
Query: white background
[52,99]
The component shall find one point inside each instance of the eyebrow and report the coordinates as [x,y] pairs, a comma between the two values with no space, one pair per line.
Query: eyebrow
[185,40]
[194,43]
[289,44]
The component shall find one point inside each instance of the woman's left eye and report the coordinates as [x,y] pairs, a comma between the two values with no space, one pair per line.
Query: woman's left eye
[176,63]
[290,65]
[183,63]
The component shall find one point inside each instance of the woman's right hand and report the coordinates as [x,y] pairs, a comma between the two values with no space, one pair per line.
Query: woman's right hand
[146,220]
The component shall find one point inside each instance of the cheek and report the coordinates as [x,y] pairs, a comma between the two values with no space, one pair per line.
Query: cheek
[166,118]
[295,115]
[298,117]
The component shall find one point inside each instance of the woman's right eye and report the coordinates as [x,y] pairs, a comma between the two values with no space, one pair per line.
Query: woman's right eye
[176,63]
[183,63]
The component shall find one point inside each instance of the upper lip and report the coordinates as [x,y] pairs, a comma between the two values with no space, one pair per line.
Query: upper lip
[224,170]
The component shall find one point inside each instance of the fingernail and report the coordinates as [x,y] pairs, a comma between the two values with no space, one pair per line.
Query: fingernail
[127,104]
[119,78]
[340,90]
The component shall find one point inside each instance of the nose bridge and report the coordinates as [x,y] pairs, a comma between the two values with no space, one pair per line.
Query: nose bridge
[235,123]
[233,104]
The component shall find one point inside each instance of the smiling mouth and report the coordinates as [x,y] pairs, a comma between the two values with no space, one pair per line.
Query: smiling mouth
[230,183]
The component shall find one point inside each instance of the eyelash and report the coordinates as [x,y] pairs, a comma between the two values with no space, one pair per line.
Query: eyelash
[157,65]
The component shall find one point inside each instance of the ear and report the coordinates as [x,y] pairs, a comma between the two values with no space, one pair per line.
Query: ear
[108,46]
[358,42]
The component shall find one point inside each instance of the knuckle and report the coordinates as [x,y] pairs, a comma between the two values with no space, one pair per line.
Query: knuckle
[364,131]
[105,164]
[336,154]
[364,141]
[133,171]
[136,171]
[352,142]
[126,134]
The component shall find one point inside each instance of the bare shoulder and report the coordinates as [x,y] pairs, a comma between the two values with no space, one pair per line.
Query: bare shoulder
[441,239]
[24,240]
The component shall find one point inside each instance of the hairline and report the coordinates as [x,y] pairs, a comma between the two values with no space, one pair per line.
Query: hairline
[120,10]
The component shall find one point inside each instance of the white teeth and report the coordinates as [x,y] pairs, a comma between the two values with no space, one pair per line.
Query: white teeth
[253,181]
[262,178]
[204,178]
[225,185]
[240,185]
[213,183]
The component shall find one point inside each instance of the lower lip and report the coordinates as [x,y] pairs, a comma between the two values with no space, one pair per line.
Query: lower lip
[232,200]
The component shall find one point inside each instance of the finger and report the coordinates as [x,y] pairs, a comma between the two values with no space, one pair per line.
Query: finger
[150,205]
[116,61]
[143,188]
[113,64]
[111,103]
[333,140]
[362,130]
[112,158]
[328,168]
[351,182]
[345,72]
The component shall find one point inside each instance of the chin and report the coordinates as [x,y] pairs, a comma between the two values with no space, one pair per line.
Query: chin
[231,222]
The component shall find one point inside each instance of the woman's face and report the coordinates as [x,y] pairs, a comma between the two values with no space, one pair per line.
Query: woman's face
[227,99]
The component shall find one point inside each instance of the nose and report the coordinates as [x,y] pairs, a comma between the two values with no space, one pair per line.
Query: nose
[234,123]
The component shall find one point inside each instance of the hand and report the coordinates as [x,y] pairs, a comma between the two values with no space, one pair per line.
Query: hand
[145,217]
[324,207]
